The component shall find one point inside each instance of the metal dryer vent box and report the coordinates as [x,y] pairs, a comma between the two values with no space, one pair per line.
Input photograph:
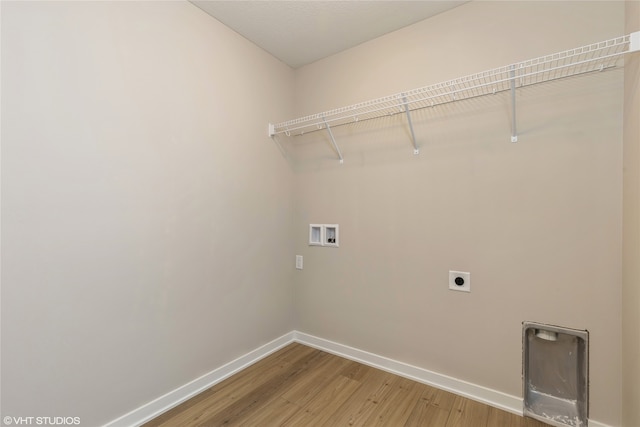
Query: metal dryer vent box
[556,374]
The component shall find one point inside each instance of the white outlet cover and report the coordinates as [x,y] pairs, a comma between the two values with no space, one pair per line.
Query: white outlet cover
[465,276]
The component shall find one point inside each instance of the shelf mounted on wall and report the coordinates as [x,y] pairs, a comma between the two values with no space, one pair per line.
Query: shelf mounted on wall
[586,59]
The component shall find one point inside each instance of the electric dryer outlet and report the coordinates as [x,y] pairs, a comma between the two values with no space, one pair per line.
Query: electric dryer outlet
[460,281]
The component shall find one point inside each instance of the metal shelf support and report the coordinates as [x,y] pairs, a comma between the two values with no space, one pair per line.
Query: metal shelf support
[514,131]
[333,140]
[416,150]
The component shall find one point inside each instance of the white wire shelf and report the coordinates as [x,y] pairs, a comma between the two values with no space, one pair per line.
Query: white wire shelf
[572,62]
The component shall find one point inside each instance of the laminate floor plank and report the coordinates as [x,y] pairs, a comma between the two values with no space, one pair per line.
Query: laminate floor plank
[441,399]
[286,397]
[432,409]
[375,385]
[397,407]
[303,390]
[257,396]
[504,419]
[280,410]
[466,412]
[355,371]
[322,406]
[299,386]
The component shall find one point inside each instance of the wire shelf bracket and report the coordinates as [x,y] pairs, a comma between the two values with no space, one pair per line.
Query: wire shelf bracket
[333,140]
[572,62]
[416,150]
[514,132]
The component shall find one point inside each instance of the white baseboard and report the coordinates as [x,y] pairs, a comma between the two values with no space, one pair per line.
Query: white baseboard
[476,392]
[485,395]
[162,404]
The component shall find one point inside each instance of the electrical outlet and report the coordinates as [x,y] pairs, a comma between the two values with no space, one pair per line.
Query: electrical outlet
[459,281]
[299,262]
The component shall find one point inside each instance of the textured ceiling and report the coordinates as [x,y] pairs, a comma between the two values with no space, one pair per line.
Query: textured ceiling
[301,32]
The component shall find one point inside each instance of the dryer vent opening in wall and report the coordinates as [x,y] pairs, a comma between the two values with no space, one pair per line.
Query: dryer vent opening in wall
[555,366]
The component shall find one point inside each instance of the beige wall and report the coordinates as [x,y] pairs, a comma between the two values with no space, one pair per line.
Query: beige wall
[631,230]
[146,215]
[537,223]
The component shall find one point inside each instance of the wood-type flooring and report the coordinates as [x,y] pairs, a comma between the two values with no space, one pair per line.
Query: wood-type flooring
[300,386]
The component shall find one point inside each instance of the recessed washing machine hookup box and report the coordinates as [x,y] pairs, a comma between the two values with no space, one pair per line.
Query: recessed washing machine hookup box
[556,374]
